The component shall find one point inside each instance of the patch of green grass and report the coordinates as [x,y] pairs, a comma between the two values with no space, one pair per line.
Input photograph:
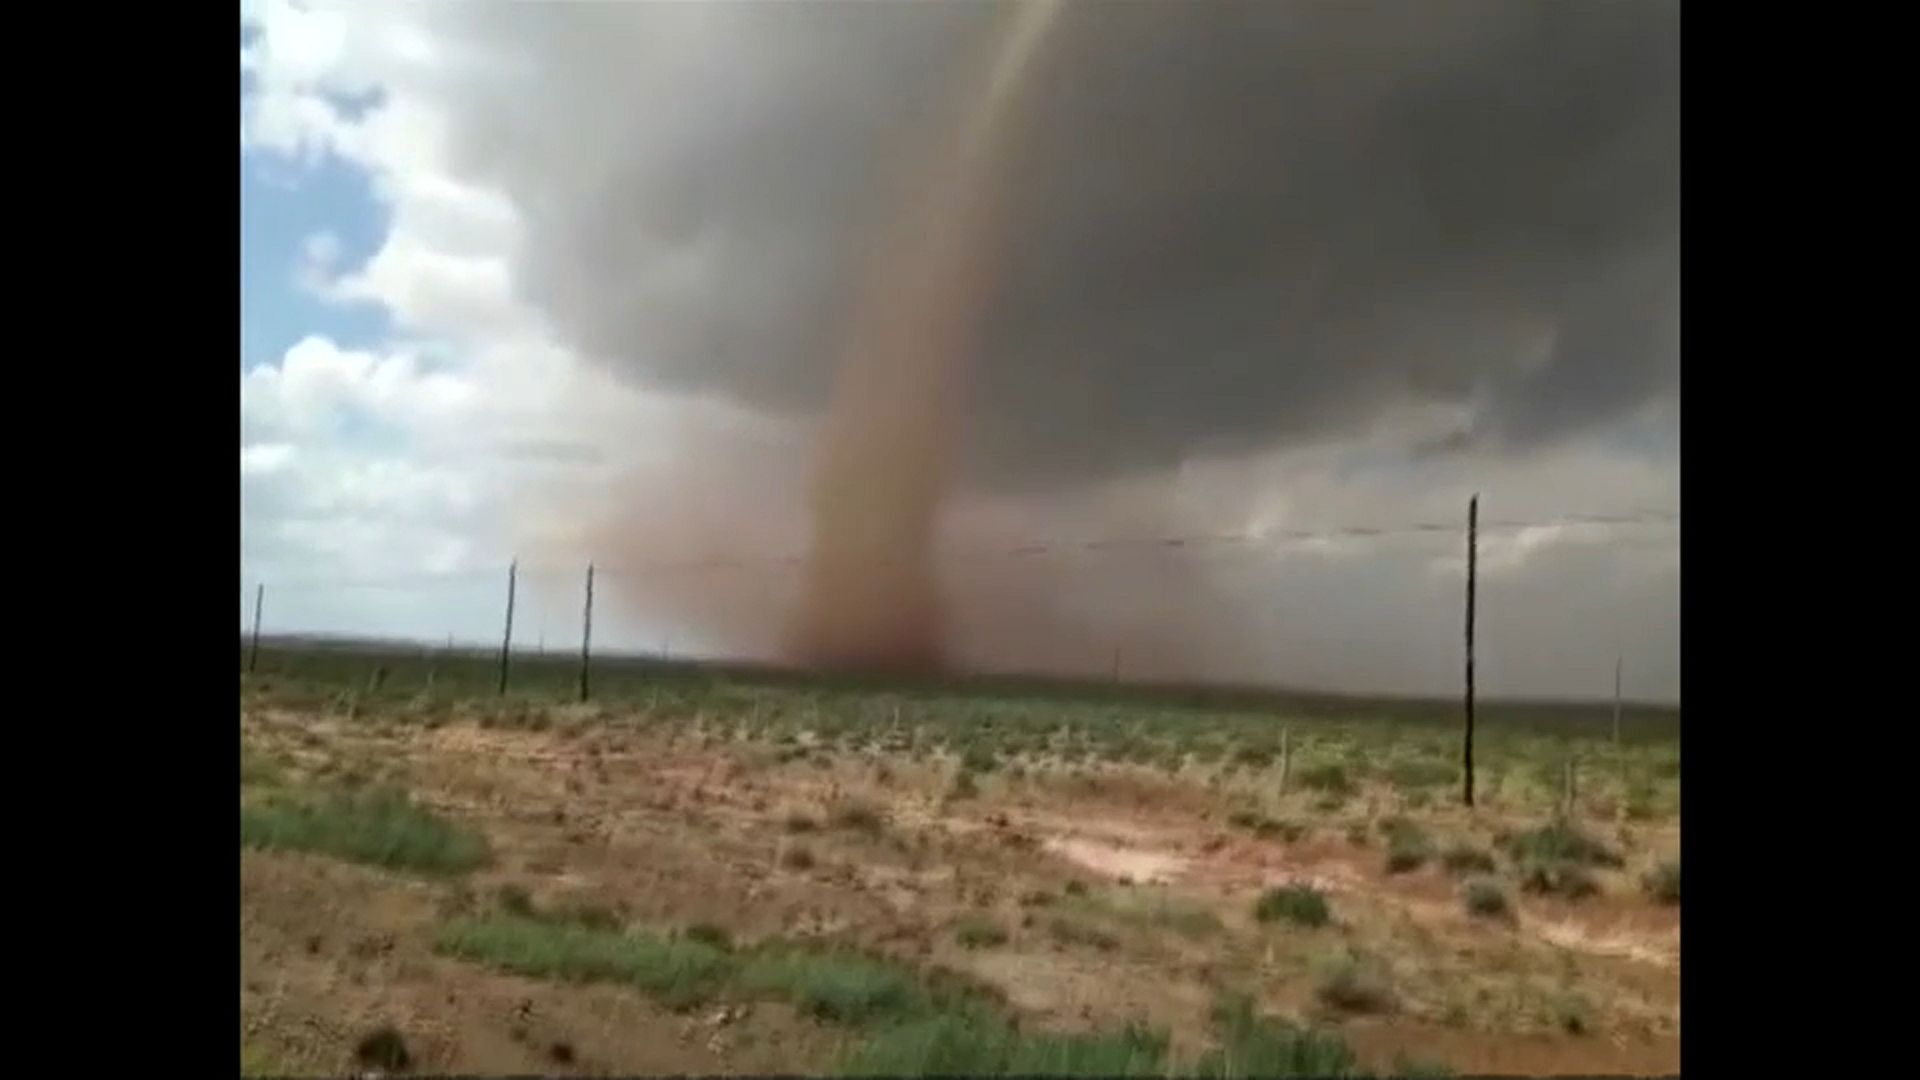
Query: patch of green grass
[979,932]
[680,973]
[975,1043]
[1465,859]
[1485,899]
[1663,882]
[380,828]
[846,987]
[699,965]
[1251,1046]
[1302,905]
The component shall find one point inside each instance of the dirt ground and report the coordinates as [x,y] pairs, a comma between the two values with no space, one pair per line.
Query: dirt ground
[671,826]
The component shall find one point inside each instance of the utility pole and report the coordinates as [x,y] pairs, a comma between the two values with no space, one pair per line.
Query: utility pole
[253,648]
[1473,544]
[506,641]
[1616,704]
[586,635]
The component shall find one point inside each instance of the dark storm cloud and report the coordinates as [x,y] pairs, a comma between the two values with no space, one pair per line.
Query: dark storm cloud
[1232,225]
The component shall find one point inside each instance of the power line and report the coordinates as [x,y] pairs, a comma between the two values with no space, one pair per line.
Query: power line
[1245,541]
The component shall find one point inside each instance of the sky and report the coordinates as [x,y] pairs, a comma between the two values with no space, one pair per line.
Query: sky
[568,282]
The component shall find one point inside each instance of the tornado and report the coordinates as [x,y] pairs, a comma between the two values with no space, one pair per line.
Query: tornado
[870,597]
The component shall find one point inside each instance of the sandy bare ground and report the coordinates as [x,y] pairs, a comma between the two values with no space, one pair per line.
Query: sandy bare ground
[669,828]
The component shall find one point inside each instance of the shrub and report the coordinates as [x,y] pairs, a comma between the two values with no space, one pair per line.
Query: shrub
[1406,1068]
[1071,932]
[592,916]
[1257,756]
[1408,847]
[978,759]
[979,932]
[1560,841]
[1568,879]
[1465,859]
[860,817]
[710,935]
[1663,882]
[384,1049]
[1570,1012]
[514,900]
[1302,905]
[1351,986]
[257,769]
[1421,774]
[1485,899]
[1330,778]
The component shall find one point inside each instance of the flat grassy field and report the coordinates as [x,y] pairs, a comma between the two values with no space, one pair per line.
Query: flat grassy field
[709,870]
